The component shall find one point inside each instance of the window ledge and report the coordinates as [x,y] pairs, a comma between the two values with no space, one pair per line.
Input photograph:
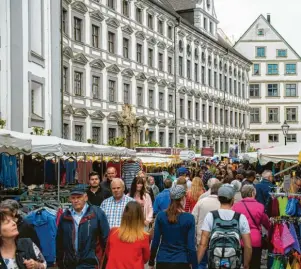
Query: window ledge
[260,57]
[255,97]
[290,74]
[272,74]
[259,122]
[273,122]
[267,96]
[290,96]
[293,122]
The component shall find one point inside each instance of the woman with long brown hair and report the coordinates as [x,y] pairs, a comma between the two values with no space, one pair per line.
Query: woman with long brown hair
[128,245]
[193,195]
[139,193]
[173,245]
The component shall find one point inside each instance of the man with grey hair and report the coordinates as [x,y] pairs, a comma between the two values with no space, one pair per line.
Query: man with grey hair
[25,229]
[210,183]
[264,188]
[114,206]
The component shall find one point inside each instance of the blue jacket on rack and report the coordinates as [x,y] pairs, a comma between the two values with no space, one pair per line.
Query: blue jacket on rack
[262,191]
[93,232]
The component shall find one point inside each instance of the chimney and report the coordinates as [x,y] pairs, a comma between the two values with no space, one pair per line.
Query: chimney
[269,17]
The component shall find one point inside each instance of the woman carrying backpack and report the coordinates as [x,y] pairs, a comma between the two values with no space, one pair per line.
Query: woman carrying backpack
[254,211]
[174,235]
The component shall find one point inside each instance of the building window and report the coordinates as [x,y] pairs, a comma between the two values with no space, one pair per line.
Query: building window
[255,115]
[95,87]
[221,116]
[235,119]
[151,136]
[239,89]
[203,113]
[170,103]
[215,80]
[111,4]
[77,29]
[290,90]
[226,117]
[225,84]
[66,131]
[211,27]
[151,99]
[112,133]
[254,138]
[256,70]
[96,135]
[125,48]
[150,21]
[78,83]
[290,69]
[205,24]
[169,67]
[182,108]
[231,118]
[203,75]
[273,114]
[210,114]
[215,115]
[138,15]
[180,66]
[281,53]
[126,93]
[188,69]
[235,87]
[272,69]
[243,91]
[260,51]
[95,36]
[196,72]
[209,78]
[79,133]
[65,79]
[170,140]
[161,101]
[150,57]
[160,27]
[273,138]
[125,8]
[169,32]
[111,42]
[273,90]
[139,53]
[221,82]
[197,111]
[260,32]
[139,96]
[291,114]
[230,85]
[161,139]
[160,59]
[189,110]
[291,138]
[65,21]
[112,90]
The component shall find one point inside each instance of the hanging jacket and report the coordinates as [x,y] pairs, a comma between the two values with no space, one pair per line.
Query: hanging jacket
[26,230]
[24,251]
[262,191]
[93,232]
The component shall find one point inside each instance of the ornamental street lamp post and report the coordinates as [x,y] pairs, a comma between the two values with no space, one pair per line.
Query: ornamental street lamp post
[285,127]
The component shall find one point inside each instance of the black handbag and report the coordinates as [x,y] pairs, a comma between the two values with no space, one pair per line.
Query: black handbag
[264,238]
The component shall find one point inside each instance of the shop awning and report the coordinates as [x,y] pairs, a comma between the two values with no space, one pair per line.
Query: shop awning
[13,142]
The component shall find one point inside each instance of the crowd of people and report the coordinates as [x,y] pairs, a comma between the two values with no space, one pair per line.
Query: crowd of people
[207,217]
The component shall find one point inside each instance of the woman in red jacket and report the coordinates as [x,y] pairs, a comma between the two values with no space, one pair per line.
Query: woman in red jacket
[128,245]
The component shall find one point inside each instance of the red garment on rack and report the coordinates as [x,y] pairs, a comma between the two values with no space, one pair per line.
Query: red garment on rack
[117,166]
[82,176]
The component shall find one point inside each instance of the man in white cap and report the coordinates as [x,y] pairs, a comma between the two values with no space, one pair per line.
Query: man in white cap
[223,229]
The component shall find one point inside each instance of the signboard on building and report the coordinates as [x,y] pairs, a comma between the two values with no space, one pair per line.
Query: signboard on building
[208,152]
[187,155]
[165,151]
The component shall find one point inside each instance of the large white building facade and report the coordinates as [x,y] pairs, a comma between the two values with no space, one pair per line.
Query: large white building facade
[30,65]
[165,59]
[275,83]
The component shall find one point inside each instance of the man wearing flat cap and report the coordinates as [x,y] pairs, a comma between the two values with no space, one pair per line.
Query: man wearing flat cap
[225,214]
[82,234]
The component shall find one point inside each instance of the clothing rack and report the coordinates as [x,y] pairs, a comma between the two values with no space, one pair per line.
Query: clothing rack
[284,194]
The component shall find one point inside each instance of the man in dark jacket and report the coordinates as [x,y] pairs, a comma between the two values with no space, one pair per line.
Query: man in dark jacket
[82,234]
[264,188]
[95,192]
[25,229]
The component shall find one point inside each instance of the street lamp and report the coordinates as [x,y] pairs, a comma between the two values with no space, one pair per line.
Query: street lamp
[285,127]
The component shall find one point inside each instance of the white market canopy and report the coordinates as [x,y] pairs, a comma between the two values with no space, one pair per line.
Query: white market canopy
[289,153]
[52,145]
[156,159]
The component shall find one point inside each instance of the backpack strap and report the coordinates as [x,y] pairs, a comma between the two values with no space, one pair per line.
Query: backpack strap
[215,215]
[236,216]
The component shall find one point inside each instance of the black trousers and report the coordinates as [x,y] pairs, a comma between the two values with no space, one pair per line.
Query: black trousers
[256,258]
[165,265]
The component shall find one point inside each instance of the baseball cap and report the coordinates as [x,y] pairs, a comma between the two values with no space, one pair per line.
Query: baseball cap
[177,192]
[226,191]
[78,190]
[182,171]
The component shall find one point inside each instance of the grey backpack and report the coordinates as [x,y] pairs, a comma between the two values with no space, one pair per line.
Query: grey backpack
[224,245]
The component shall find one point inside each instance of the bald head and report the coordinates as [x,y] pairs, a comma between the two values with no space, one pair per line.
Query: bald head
[117,187]
[212,181]
[111,173]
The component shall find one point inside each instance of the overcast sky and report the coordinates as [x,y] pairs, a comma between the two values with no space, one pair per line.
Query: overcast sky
[236,16]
